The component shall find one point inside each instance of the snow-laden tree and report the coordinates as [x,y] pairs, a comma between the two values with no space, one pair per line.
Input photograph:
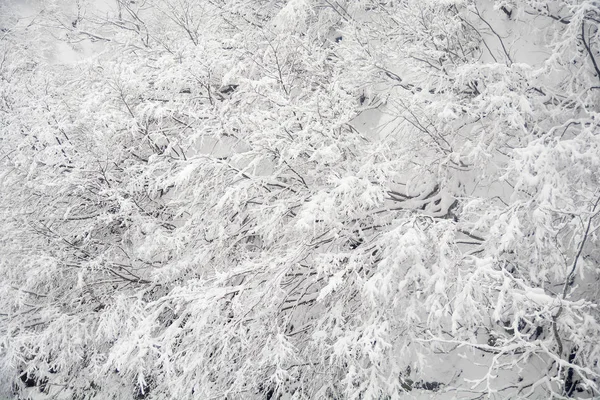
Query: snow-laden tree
[303,199]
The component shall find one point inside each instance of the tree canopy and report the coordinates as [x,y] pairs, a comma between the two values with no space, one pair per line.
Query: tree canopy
[300,199]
